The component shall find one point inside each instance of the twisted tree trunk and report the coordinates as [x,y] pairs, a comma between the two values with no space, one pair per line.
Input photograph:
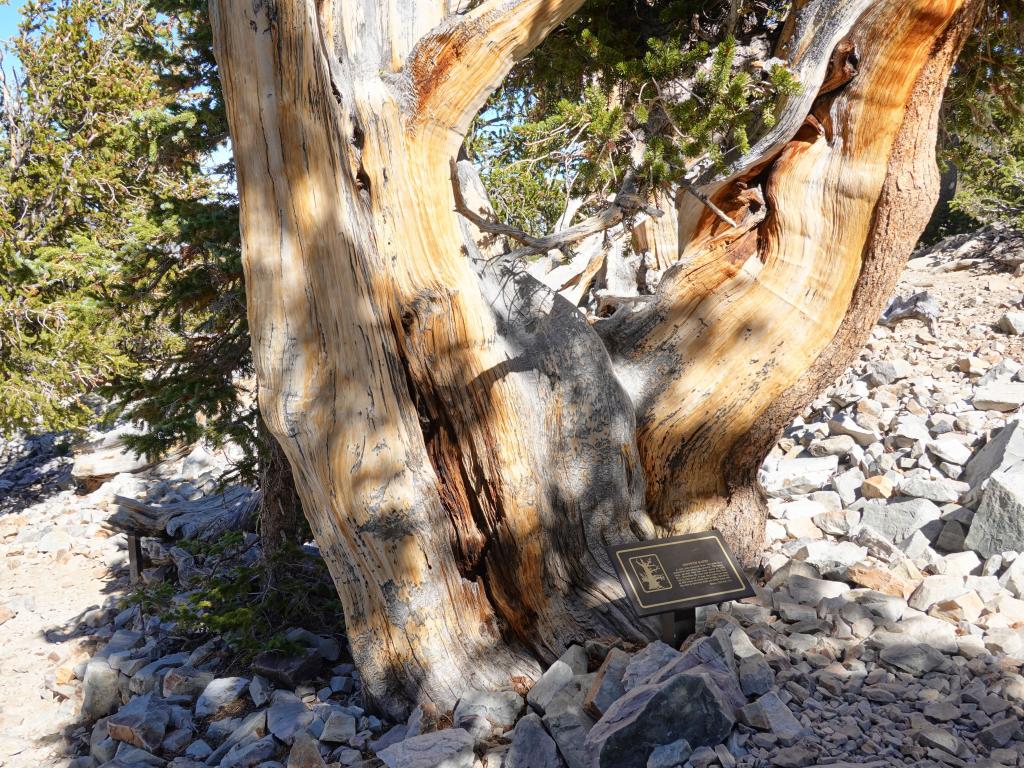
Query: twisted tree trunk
[465,444]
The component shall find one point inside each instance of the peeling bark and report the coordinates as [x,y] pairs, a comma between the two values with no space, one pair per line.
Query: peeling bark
[464,442]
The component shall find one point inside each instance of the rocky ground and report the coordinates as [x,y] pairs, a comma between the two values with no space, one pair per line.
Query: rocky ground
[887,628]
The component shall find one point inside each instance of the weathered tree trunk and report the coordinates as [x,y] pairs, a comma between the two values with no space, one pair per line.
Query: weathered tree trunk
[280,515]
[465,444]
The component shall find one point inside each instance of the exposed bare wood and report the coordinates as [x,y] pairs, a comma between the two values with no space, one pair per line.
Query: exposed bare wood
[459,64]
[904,206]
[462,442]
[743,317]
[659,237]
[204,519]
[462,464]
[707,202]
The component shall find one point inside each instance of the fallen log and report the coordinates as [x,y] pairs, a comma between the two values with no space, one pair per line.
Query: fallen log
[204,519]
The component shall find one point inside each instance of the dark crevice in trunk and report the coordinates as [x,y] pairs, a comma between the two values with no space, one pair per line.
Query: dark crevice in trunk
[459,497]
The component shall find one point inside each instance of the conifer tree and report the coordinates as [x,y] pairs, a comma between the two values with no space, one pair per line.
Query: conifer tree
[120,246]
[983,121]
[80,117]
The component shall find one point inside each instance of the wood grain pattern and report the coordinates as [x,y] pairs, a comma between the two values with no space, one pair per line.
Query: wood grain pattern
[744,316]
[464,442]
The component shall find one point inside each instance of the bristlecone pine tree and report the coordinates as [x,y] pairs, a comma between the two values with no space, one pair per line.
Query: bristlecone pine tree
[464,440]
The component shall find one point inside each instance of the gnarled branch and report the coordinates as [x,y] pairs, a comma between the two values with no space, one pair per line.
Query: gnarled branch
[625,203]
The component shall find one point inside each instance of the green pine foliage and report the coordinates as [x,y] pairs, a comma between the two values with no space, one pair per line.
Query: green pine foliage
[983,121]
[195,384]
[77,136]
[656,91]
[120,248]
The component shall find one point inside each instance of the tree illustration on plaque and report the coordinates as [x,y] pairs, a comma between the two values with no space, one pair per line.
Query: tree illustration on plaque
[651,573]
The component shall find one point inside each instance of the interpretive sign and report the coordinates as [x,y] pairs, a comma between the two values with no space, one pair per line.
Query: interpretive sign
[680,572]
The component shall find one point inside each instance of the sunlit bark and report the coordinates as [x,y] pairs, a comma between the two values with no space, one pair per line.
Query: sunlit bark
[465,443]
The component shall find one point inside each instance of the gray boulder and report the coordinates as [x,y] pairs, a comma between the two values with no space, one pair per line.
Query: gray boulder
[220,694]
[607,686]
[712,656]
[287,671]
[915,658]
[100,691]
[899,519]
[769,713]
[133,757]
[287,716]
[787,477]
[936,589]
[1003,453]
[251,729]
[249,753]
[670,755]
[551,682]
[393,735]
[569,729]
[687,706]
[844,424]
[304,753]
[756,676]
[532,747]
[1013,578]
[498,709]
[151,675]
[888,371]
[950,449]
[259,690]
[340,727]
[576,657]
[327,646]
[142,722]
[999,524]
[649,660]
[186,681]
[938,491]
[568,723]
[1012,323]
[999,396]
[808,590]
[450,748]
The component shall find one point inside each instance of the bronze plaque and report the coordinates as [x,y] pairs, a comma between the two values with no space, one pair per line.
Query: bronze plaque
[679,572]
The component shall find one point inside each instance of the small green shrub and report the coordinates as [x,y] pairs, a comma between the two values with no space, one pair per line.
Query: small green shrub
[240,603]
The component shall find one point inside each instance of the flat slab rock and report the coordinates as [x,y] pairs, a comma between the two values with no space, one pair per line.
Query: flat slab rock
[450,748]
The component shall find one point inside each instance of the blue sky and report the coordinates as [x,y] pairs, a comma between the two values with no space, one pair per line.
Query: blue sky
[9,18]
[9,23]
